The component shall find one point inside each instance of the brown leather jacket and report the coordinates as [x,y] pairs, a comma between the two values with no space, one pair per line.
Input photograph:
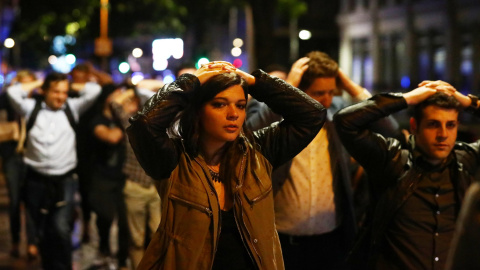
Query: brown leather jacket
[190,227]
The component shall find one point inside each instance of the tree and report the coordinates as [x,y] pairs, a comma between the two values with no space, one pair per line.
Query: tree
[39,21]
[264,13]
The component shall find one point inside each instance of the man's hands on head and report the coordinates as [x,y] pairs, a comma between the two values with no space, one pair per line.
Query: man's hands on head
[296,72]
[344,82]
[448,89]
[30,86]
[427,88]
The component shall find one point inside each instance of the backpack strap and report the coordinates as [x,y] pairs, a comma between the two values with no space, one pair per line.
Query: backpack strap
[38,106]
[34,114]
[70,117]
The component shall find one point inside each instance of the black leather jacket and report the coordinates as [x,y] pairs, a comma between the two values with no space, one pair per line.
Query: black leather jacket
[392,171]
[190,226]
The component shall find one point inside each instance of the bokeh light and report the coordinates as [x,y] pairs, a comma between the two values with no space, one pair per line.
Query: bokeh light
[236,52]
[124,67]
[237,63]
[305,35]
[137,52]
[9,43]
[238,42]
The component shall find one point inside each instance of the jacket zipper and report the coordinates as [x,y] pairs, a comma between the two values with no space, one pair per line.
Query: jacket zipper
[219,215]
[197,206]
[243,223]
[256,199]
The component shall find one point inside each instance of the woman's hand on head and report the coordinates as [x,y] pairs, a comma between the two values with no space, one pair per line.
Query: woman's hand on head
[247,77]
[211,69]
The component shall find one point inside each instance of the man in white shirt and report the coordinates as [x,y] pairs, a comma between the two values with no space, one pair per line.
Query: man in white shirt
[314,212]
[50,156]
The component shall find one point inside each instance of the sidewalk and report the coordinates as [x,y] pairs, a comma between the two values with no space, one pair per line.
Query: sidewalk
[84,255]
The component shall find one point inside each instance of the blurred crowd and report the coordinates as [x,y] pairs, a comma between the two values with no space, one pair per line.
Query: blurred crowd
[64,134]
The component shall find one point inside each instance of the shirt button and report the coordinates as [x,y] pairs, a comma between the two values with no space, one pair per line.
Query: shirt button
[255,240]
[438,212]
[436,234]
[437,259]
[437,195]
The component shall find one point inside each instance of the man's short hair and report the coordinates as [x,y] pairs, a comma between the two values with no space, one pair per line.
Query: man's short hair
[53,77]
[82,67]
[276,67]
[25,74]
[187,65]
[438,99]
[319,66]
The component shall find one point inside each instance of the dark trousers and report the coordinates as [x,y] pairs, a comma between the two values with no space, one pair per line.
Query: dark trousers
[106,199]
[326,251]
[50,202]
[14,170]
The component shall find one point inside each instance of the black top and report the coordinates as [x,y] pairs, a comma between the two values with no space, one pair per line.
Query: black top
[420,234]
[231,253]
[107,158]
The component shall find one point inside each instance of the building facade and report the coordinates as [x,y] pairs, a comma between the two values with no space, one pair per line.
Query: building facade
[392,45]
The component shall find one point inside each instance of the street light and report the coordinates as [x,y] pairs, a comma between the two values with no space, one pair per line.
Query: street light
[137,52]
[9,43]
[305,35]
[103,44]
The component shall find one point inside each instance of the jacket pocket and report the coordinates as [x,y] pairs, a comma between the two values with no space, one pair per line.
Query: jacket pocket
[188,223]
[257,187]
[255,196]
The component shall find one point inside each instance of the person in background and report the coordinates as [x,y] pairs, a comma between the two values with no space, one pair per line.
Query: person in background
[254,106]
[214,175]
[80,75]
[108,180]
[140,195]
[418,191]
[186,67]
[314,211]
[277,70]
[465,248]
[50,157]
[11,151]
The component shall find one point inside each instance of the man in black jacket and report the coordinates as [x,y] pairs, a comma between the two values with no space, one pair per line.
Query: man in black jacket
[418,191]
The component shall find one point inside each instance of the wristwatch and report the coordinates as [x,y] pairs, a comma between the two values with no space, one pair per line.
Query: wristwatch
[474,105]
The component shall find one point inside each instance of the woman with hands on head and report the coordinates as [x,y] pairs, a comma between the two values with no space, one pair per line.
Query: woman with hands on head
[213,175]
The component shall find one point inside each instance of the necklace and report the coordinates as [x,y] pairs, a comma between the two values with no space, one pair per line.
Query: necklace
[215,175]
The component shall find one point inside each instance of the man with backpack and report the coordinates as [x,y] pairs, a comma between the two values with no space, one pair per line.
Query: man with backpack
[50,156]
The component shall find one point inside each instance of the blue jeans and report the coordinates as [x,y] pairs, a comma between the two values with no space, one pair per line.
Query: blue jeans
[50,200]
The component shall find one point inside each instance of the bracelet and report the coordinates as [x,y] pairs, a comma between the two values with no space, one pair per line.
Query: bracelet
[474,105]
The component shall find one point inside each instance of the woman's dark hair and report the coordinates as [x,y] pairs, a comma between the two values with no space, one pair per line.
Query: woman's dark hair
[189,124]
